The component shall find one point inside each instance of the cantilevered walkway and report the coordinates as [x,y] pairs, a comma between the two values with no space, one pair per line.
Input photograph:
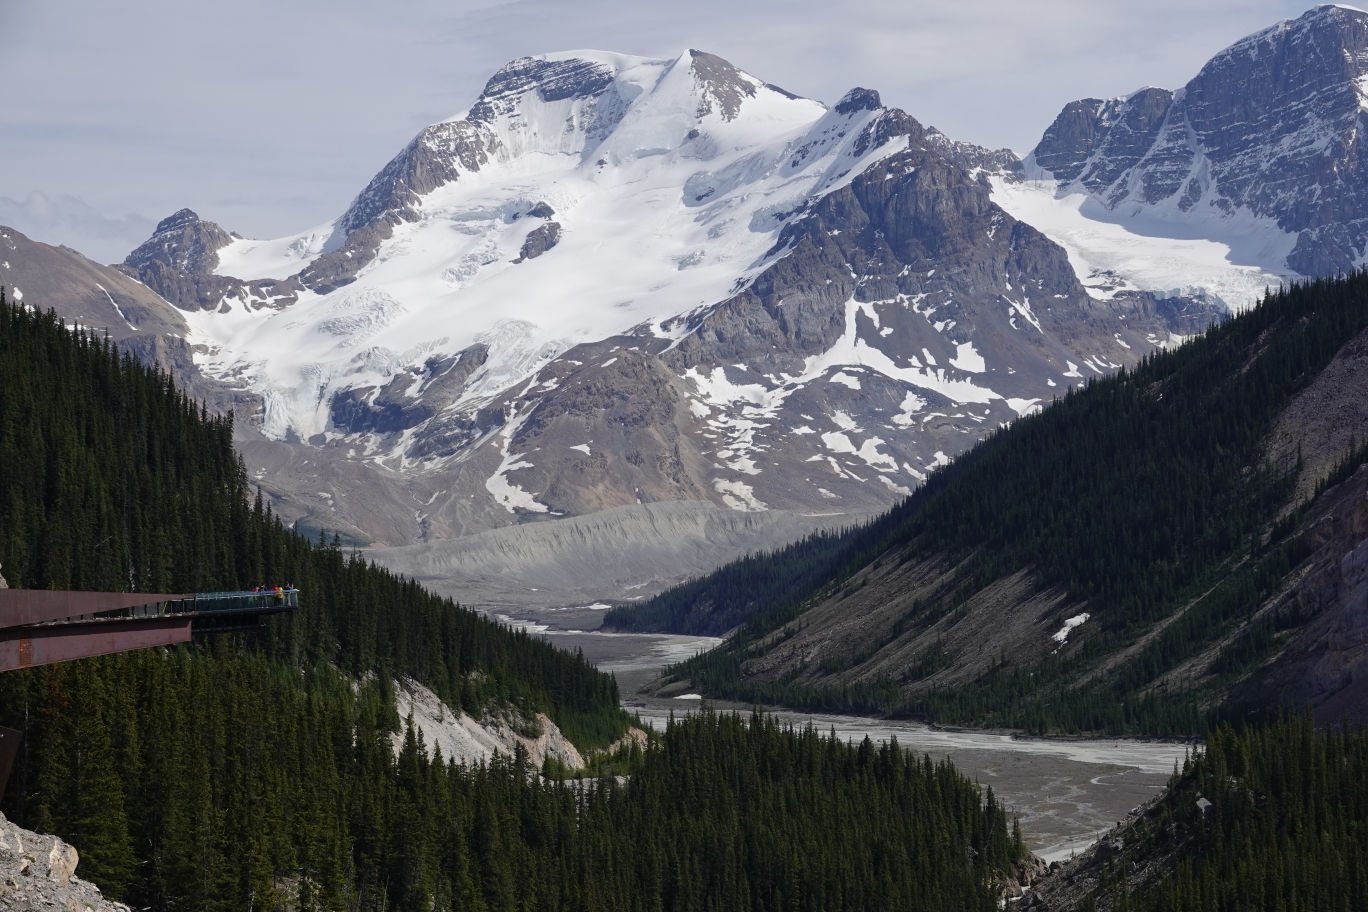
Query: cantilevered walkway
[41,626]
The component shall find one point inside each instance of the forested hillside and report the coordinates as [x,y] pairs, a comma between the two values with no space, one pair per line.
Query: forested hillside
[1282,827]
[259,772]
[113,480]
[1143,500]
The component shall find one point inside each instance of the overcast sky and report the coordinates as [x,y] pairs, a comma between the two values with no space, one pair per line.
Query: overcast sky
[268,116]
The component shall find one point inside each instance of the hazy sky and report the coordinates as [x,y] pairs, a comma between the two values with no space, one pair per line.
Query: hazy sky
[268,116]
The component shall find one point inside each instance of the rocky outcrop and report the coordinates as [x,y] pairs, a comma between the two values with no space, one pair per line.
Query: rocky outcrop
[723,86]
[975,159]
[383,410]
[182,243]
[39,872]
[1130,859]
[1270,127]
[539,240]
[1096,142]
[179,260]
[470,741]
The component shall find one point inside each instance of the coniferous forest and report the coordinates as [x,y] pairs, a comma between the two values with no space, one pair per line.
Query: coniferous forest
[1287,827]
[258,771]
[1283,828]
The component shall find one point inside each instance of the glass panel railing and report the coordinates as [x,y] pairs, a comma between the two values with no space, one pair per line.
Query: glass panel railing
[251,600]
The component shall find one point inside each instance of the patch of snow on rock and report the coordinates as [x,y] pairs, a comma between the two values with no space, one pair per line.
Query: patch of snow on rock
[1063,633]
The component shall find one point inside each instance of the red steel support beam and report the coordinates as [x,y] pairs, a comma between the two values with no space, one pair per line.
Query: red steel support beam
[64,642]
[38,606]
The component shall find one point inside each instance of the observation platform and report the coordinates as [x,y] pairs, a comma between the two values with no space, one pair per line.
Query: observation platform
[42,626]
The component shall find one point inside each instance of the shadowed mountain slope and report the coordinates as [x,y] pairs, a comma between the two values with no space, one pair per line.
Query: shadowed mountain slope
[1120,561]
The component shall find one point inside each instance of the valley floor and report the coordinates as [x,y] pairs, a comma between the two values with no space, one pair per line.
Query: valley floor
[1068,792]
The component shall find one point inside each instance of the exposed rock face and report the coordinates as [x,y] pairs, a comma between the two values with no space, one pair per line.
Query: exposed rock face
[722,84]
[1270,127]
[179,260]
[39,872]
[182,243]
[539,240]
[1326,665]
[384,410]
[1096,142]
[470,741]
[552,80]
[974,159]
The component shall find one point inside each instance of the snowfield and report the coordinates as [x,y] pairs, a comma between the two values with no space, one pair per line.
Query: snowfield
[634,250]
[1146,248]
[277,259]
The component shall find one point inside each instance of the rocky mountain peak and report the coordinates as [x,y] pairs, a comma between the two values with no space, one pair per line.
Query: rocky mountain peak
[177,220]
[184,242]
[1266,133]
[973,158]
[858,99]
[180,262]
[721,84]
[670,282]
[1068,143]
[551,79]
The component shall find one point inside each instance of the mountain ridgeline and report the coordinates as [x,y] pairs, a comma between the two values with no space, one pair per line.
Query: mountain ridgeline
[1146,509]
[268,771]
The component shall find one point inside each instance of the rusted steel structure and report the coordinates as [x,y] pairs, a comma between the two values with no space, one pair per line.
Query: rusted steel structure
[39,626]
[43,626]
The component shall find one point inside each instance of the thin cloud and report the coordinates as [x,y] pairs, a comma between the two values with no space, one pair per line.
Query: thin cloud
[71,221]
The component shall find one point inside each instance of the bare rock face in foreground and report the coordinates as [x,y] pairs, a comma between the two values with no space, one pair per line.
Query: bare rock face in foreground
[39,872]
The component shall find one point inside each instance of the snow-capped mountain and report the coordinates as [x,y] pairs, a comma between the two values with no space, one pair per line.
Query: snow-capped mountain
[1252,172]
[617,280]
